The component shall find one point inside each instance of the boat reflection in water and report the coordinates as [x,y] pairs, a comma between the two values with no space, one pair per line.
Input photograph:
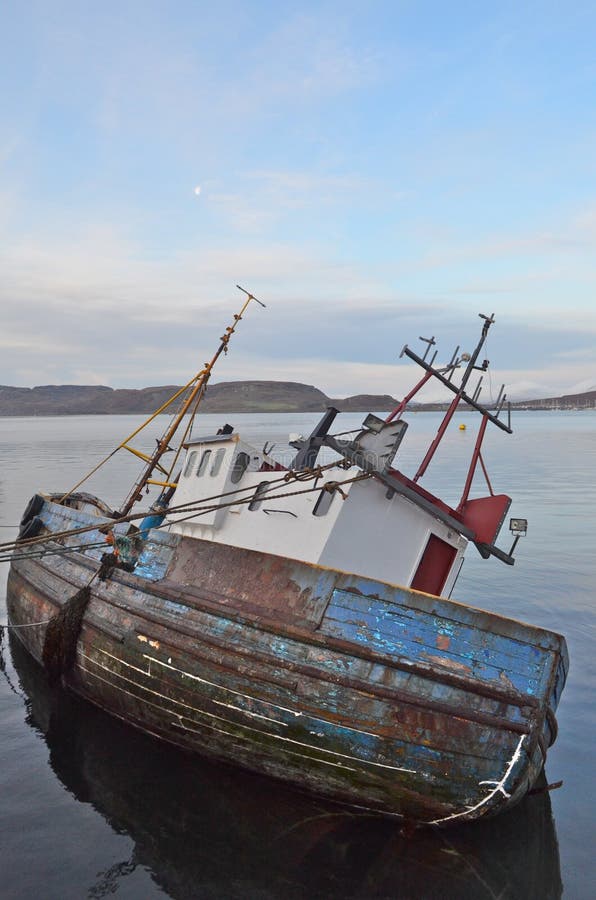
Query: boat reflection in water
[205,830]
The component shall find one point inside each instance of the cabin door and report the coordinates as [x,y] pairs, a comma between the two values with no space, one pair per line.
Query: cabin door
[434,566]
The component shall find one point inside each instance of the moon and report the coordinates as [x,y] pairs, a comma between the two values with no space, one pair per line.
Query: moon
[197,190]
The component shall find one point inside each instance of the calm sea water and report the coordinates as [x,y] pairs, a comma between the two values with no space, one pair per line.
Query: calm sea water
[92,809]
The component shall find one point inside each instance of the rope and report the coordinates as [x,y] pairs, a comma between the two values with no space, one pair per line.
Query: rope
[201,510]
[59,650]
[62,634]
[9,545]
[39,554]
[310,474]
[8,625]
[193,511]
[130,437]
[63,629]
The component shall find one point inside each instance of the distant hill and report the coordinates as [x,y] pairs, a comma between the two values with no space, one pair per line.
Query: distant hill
[264,396]
[224,397]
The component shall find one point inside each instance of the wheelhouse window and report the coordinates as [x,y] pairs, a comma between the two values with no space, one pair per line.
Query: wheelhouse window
[190,463]
[240,466]
[218,458]
[258,495]
[323,503]
[203,463]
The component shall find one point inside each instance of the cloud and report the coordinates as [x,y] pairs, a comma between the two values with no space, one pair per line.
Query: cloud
[346,176]
[571,238]
[158,330]
[262,199]
[99,296]
[101,268]
[310,57]
[580,354]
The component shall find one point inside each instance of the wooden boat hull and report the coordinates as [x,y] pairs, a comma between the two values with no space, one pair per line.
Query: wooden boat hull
[371,694]
[270,841]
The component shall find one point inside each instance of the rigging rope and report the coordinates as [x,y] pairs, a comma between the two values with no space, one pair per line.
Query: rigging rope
[39,554]
[63,629]
[194,509]
[288,476]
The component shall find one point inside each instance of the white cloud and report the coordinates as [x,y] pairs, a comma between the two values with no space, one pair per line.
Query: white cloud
[260,200]
[307,56]
[145,320]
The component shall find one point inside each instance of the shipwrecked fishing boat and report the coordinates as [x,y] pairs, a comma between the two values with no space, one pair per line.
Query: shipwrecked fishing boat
[295,620]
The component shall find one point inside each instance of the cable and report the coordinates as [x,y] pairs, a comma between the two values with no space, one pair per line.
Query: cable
[183,507]
[194,511]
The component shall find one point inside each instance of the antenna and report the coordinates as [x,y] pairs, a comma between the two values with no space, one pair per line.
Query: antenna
[430,342]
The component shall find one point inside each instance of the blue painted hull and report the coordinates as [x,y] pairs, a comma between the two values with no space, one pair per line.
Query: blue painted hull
[372,694]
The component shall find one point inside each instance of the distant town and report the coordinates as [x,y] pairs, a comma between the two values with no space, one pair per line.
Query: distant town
[586,400]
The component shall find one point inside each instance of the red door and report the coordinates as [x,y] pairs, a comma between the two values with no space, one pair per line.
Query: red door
[434,567]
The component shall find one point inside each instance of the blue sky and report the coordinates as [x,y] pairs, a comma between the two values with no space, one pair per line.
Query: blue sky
[374,171]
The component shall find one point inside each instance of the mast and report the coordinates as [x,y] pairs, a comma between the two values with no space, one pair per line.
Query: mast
[459,392]
[199,385]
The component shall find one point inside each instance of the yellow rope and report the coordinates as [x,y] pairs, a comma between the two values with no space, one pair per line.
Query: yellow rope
[129,438]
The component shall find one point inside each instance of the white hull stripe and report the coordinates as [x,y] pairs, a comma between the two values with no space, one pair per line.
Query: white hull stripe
[202,712]
[297,714]
[499,788]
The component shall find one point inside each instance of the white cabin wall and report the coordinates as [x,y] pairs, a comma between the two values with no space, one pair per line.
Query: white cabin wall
[365,534]
[193,489]
[298,536]
[295,532]
[382,538]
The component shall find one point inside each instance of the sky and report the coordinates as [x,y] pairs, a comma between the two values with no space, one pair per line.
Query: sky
[372,171]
